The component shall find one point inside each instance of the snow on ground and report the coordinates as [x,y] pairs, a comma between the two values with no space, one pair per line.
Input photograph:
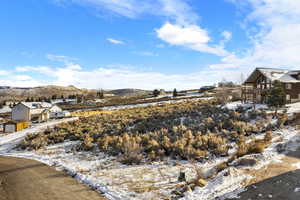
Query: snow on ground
[290,108]
[297,189]
[147,104]
[234,182]
[150,181]
[226,184]
[155,103]
[297,165]
[191,94]
[156,180]
[293,107]
[8,141]
[5,109]
[234,105]
[105,173]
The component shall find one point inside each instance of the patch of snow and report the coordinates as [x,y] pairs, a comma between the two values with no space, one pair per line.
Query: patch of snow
[5,109]
[155,103]
[9,141]
[297,189]
[293,108]
[226,184]
[236,104]
[145,181]
[297,165]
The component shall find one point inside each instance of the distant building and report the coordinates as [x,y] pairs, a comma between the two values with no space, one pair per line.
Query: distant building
[31,111]
[257,85]
[13,126]
[91,103]
[109,95]
[58,115]
[206,89]
[64,101]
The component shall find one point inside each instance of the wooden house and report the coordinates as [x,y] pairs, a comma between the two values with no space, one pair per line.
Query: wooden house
[261,80]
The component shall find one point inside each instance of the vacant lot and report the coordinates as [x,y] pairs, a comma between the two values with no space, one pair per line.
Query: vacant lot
[189,150]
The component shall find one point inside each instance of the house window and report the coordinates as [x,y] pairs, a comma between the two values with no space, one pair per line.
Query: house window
[288,86]
[288,97]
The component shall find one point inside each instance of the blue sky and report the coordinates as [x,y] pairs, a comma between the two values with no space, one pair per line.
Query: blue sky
[144,44]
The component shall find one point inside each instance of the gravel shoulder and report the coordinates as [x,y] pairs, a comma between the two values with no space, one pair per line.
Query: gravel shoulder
[22,179]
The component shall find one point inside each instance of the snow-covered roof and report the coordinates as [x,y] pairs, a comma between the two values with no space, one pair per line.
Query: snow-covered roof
[281,75]
[287,78]
[272,74]
[37,105]
[40,107]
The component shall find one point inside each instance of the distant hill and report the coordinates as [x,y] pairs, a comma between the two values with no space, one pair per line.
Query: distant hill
[21,93]
[128,92]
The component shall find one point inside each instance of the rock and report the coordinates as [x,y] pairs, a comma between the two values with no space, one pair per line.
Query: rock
[181,177]
[246,162]
[270,196]
[201,182]
[280,148]
[189,189]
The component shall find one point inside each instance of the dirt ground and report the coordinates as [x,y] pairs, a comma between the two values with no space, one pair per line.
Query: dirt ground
[22,179]
[277,181]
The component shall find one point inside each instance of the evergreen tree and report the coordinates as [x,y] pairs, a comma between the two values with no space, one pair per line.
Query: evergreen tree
[175,94]
[47,100]
[276,96]
[156,92]
[72,96]
[100,94]
[79,98]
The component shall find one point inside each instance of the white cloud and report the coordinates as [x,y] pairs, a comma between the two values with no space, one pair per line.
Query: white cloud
[23,78]
[117,76]
[178,10]
[227,35]
[127,8]
[40,69]
[3,73]
[180,14]
[182,35]
[145,53]
[59,58]
[189,36]
[19,80]
[275,41]
[114,41]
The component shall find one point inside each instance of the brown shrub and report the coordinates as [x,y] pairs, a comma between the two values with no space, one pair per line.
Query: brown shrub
[156,132]
[268,136]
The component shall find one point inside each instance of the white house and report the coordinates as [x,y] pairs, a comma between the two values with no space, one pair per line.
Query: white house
[28,111]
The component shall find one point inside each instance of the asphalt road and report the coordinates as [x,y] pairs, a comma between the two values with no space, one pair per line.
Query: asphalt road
[22,179]
[278,181]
